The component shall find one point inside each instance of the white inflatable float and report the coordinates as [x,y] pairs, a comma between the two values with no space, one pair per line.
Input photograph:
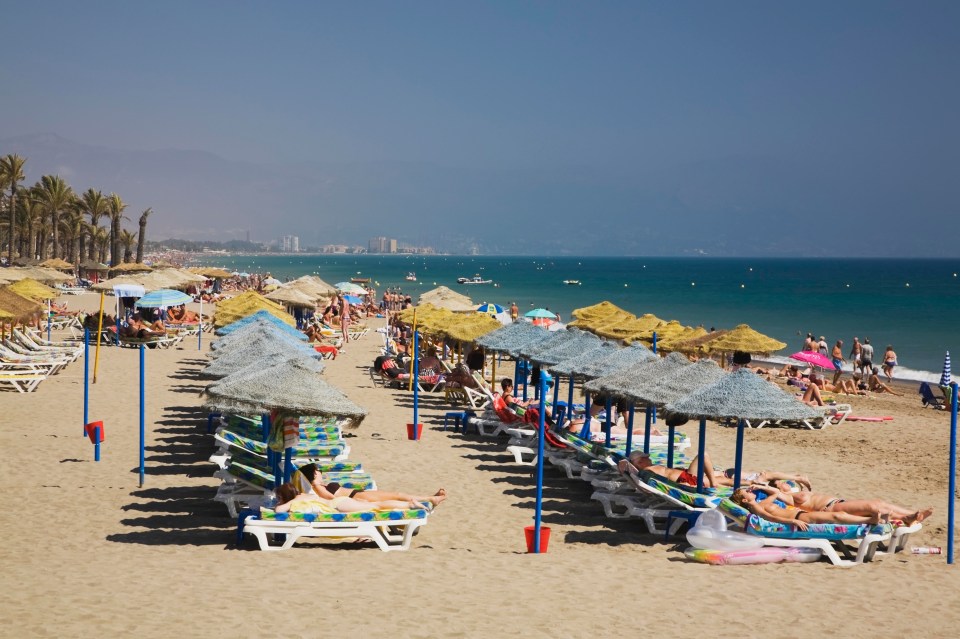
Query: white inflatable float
[714,544]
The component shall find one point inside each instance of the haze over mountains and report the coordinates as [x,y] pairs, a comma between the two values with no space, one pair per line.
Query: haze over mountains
[723,206]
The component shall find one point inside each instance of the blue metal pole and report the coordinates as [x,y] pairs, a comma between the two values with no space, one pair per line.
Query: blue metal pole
[416,383]
[701,450]
[654,342]
[670,430]
[556,394]
[96,445]
[953,472]
[585,431]
[86,380]
[540,438]
[646,432]
[516,375]
[630,429]
[143,349]
[287,464]
[570,400]
[607,422]
[526,381]
[738,463]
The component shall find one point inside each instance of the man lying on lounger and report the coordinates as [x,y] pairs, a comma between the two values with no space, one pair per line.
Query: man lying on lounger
[785,491]
[711,477]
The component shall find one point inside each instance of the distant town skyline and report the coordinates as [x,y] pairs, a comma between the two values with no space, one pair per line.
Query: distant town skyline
[741,128]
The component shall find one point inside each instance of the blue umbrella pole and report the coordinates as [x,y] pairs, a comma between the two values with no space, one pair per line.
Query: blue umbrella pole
[654,342]
[607,423]
[556,394]
[86,379]
[96,446]
[701,451]
[630,429]
[143,431]
[416,383]
[585,431]
[526,381]
[646,432]
[516,375]
[738,463]
[540,436]
[570,400]
[953,472]
[670,431]
[287,464]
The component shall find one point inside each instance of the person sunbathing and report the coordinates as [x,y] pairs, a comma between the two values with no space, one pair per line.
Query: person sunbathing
[874,384]
[781,512]
[845,386]
[289,500]
[820,502]
[511,410]
[711,478]
[180,315]
[430,364]
[136,327]
[312,478]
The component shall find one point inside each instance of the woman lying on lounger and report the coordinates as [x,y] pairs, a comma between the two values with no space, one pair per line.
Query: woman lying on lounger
[312,478]
[779,511]
[289,500]
[820,502]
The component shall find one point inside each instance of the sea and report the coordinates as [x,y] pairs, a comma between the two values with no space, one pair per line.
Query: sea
[910,304]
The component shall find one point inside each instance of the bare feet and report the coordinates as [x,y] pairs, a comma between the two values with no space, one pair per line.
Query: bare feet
[918,516]
[438,497]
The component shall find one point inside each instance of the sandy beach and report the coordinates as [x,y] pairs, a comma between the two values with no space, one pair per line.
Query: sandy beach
[88,551]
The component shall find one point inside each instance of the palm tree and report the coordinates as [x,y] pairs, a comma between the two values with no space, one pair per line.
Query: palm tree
[94,204]
[11,168]
[33,215]
[127,239]
[56,196]
[142,235]
[72,225]
[115,208]
[101,240]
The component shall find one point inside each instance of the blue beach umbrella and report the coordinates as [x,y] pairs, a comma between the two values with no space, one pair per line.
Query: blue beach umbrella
[490,309]
[351,288]
[163,297]
[540,313]
[353,299]
[945,375]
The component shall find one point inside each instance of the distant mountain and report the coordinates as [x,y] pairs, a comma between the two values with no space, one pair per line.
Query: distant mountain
[732,206]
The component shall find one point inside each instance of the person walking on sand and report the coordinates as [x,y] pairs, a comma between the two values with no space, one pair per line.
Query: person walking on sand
[837,358]
[866,356]
[889,362]
[855,353]
[514,311]
[822,346]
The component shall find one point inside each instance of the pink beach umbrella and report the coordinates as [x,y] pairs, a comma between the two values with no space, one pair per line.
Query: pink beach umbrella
[814,358]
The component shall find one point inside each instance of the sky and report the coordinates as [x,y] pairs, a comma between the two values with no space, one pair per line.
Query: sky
[666,127]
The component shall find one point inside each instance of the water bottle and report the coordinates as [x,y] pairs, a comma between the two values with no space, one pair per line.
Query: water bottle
[926,550]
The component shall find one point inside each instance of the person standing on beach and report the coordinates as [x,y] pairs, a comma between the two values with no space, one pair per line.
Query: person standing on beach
[889,362]
[514,311]
[866,356]
[837,358]
[344,319]
[822,346]
[808,343]
[855,353]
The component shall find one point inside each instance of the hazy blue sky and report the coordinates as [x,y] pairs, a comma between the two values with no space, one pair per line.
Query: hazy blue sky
[843,113]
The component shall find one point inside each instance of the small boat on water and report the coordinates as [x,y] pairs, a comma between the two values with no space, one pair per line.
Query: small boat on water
[360,280]
[411,277]
[476,279]
[572,282]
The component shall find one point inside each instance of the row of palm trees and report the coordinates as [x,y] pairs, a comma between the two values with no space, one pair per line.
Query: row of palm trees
[49,220]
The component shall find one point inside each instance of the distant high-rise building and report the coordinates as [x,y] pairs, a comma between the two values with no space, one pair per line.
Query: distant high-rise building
[289,244]
[392,246]
[377,245]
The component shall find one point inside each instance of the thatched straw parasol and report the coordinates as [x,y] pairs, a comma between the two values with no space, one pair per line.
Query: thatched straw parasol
[265,353]
[742,394]
[573,365]
[120,280]
[260,318]
[290,385]
[33,290]
[620,359]
[430,318]
[512,337]
[743,338]
[312,286]
[622,381]
[16,307]
[292,297]
[664,330]
[248,303]
[628,329]
[25,261]
[211,272]
[254,333]
[57,264]
[443,297]
[35,273]
[93,265]
[574,341]
[131,267]
[662,389]
[679,341]
[469,328]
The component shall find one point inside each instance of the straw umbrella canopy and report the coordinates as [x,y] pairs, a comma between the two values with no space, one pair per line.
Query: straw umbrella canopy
[211,272]
[691,342]
[292,297]
[573,365]
[33,290]
[628,329]
[742,394]
[664,330]
[265,352]
[621,381]
[512,337]
[443,297]
[260,318]
[120,280]
[248,303]
[597,314]
[58,264]
[312,286]
[620,359]
[290,385]
[573,341]
[743,338]
[25,261]
[469,328]
[662,389]
[35,273]
[16,307]
[131,267]
[257,332]
[93,265]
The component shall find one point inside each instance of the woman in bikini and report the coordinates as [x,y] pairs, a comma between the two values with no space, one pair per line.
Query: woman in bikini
[779,511]
[811,501]
[711,478]
[889,363]
[289,500]
[311,478]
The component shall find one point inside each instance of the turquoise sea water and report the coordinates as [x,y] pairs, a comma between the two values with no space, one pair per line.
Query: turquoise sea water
[911,304]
